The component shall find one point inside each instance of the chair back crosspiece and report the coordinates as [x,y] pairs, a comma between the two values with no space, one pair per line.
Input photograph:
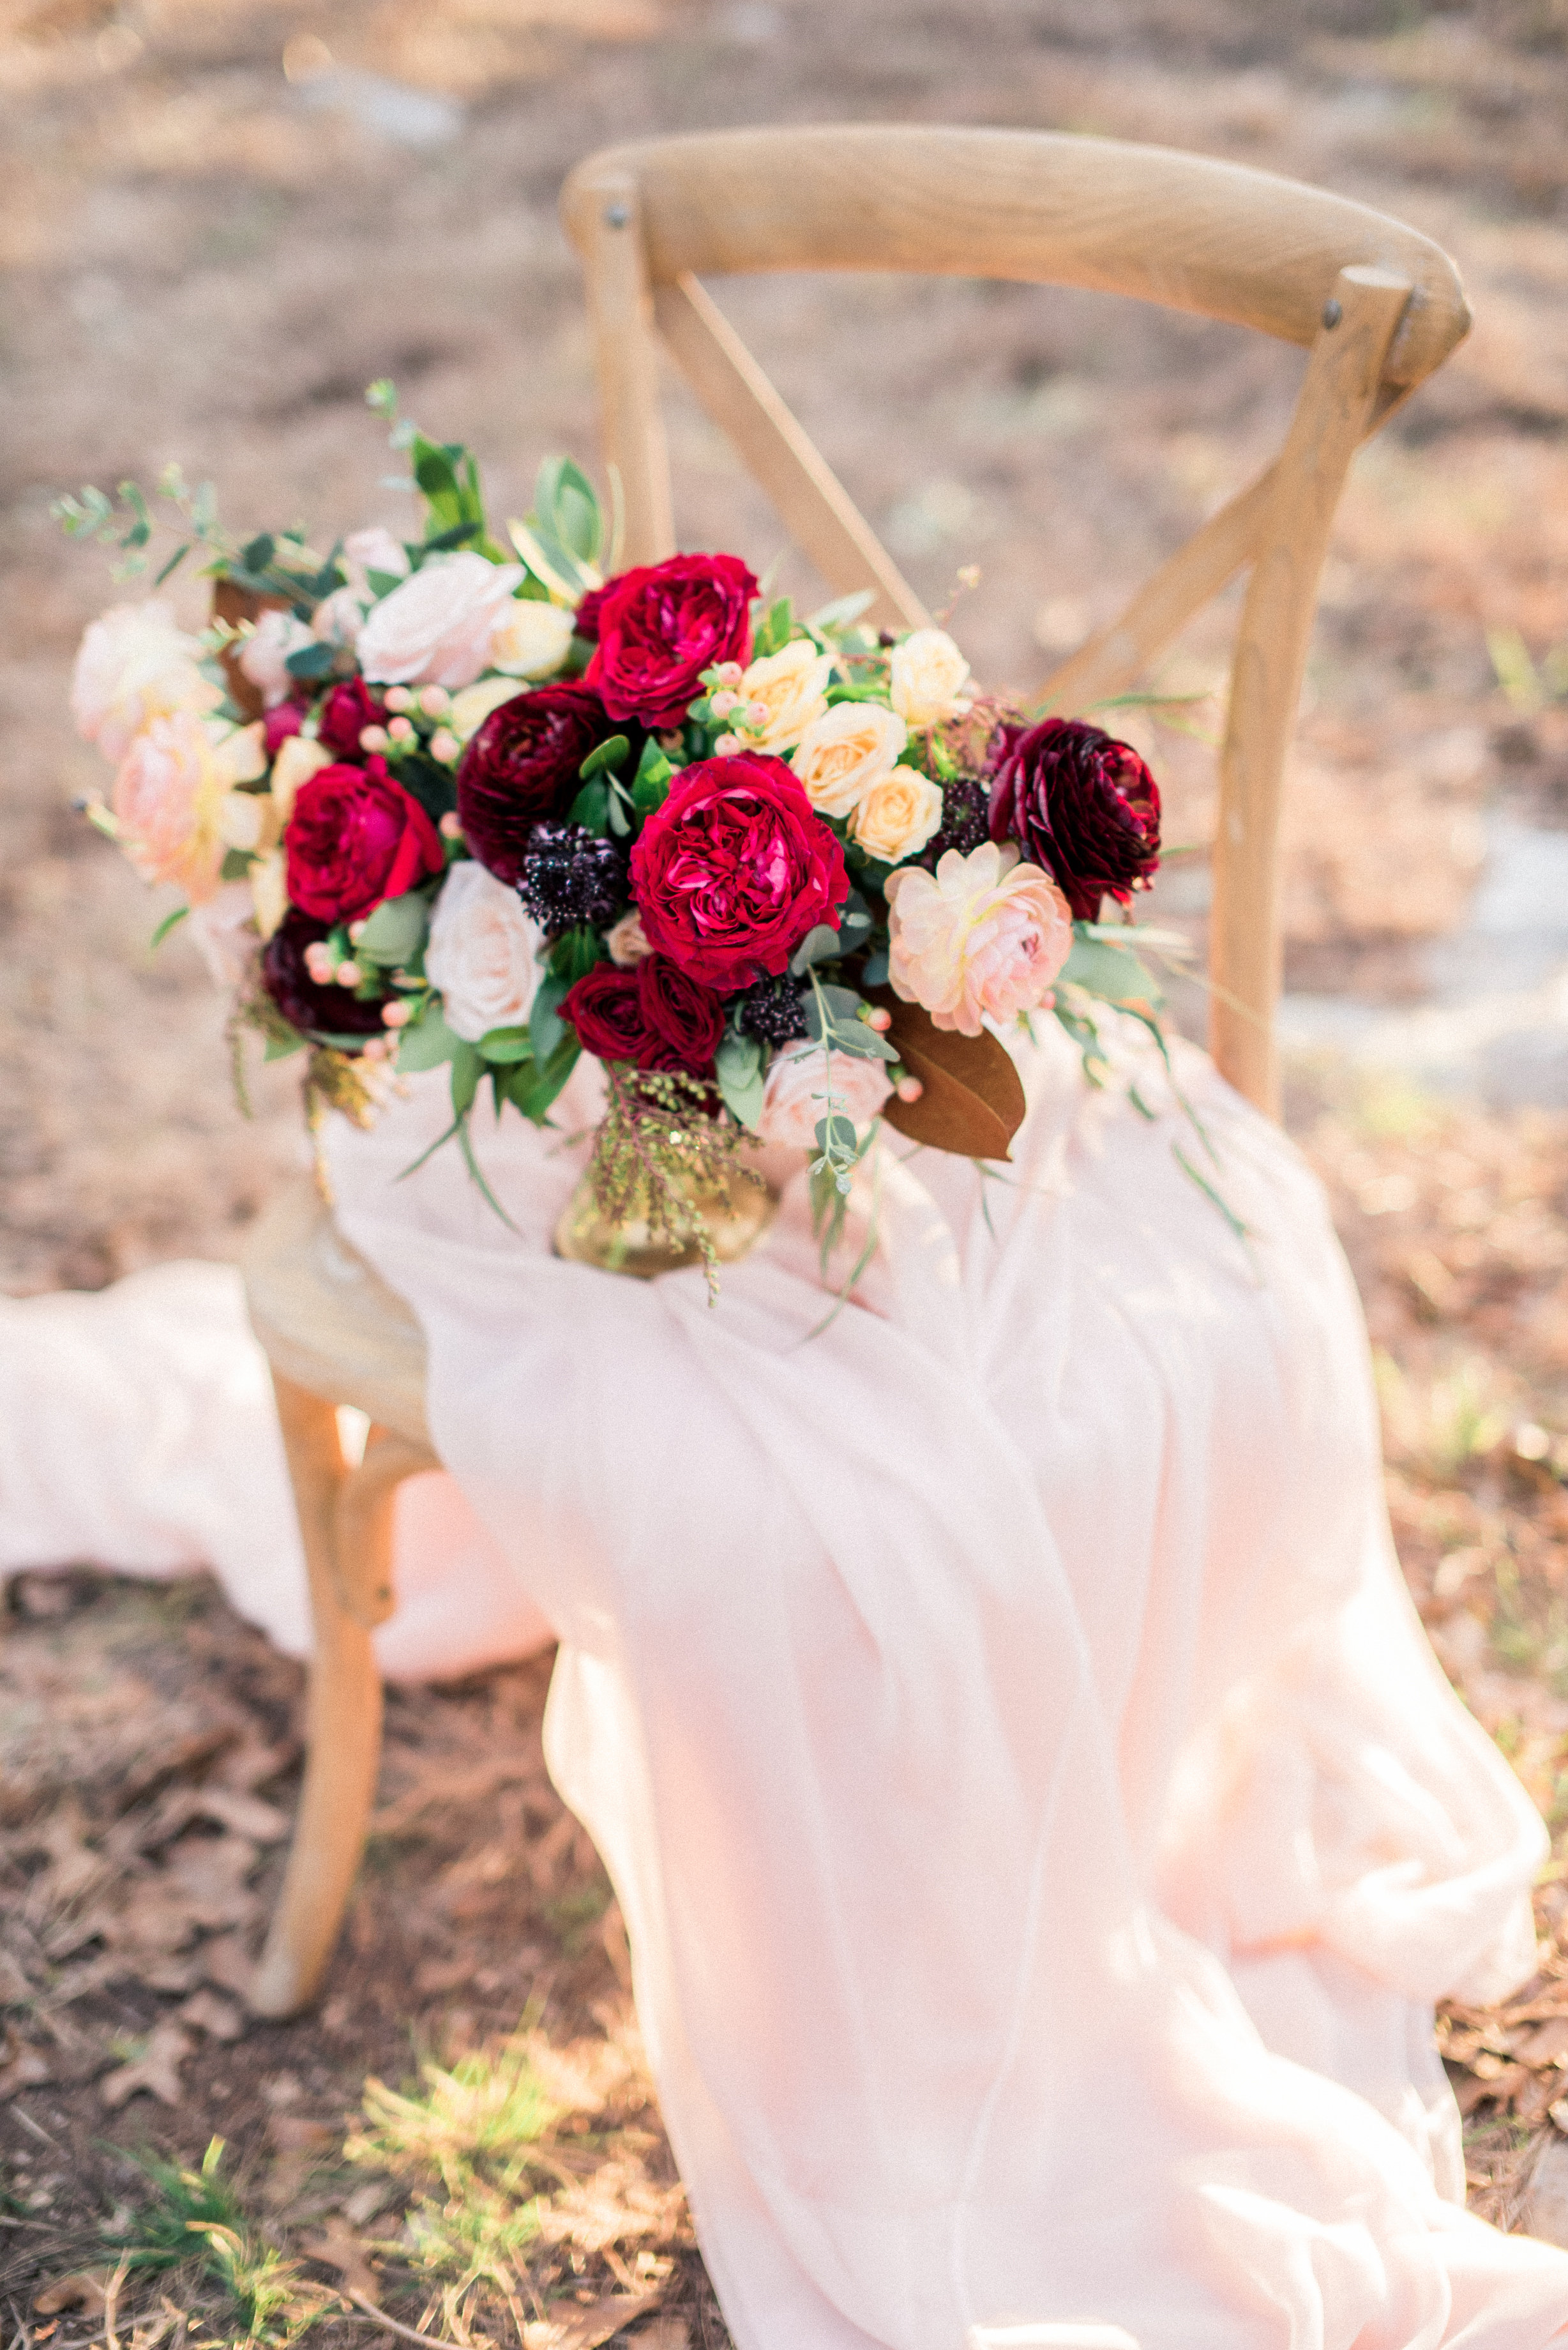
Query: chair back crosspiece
[1377,306]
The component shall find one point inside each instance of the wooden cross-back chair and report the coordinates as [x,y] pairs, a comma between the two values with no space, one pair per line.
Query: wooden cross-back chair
[1377,308]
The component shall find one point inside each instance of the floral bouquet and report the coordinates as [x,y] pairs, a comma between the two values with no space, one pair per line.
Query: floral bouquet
[446,801]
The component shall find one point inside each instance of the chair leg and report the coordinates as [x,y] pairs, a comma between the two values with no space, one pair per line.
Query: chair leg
[343,1725]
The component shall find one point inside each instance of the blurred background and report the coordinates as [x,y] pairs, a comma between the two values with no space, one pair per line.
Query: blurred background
[219,220]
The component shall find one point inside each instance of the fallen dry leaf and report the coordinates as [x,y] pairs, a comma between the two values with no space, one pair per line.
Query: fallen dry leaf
[216,2017]
[156,2069]
[21,2067]
[591,2323]
[84,2289]
[665,2334]
[225,1960]
[338,2248]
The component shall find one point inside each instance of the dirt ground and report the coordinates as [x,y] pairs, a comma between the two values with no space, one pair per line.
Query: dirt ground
[208,257]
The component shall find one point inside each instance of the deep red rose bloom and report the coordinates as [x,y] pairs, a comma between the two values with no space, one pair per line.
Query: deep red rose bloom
[344,715]
[604,1007]
[734,869]
[661,626]
[586,618]
[284,719]
[521,768]
[1080,804]
[685,1020]
[355,838]
[654,1016]
[313,1009]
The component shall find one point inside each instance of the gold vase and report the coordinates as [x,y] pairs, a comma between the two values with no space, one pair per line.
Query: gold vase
[736,1219]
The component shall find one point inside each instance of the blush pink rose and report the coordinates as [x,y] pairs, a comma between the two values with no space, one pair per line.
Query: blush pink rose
[982,935]
[795,1097]
[166,800]
[135,665]
[435,628]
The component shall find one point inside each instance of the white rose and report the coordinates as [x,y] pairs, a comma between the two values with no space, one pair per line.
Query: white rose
[845,751]
[629,941]
[435,628]
[530,638]
[297,759]
[928,675]
[792,687]
[339,617]
[481,954]
[473,706]
[376,549]
[895,818]
[264,656]
[135,665]
[795,1099]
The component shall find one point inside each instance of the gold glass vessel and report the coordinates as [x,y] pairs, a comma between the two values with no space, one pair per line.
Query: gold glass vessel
[736,1218]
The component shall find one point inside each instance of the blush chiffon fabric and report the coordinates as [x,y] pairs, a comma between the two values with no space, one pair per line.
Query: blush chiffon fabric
[1041,1826]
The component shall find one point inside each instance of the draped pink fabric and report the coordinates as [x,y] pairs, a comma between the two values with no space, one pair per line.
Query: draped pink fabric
[1042,1826]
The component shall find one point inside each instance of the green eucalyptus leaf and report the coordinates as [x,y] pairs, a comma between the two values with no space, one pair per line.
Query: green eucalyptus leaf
[1111,972]
[279,1049]
[467,1068]
[395,932]
[817,946]
[612,753]
[428,1043]
[575,953]
[505,1045]
[591,806]
[738,1065]
[311,660]
[545,1025]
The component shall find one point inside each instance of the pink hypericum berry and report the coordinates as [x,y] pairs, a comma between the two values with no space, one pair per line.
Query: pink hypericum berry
[908,1089]
[396,1016]
[445,746]
[434,701]
[399,697]
[729,673]
[347,975]
[757,714]
[374,738]
[376,1048]
[878,1019]
[451,825]
[401,730]
[722,703]
[318,962]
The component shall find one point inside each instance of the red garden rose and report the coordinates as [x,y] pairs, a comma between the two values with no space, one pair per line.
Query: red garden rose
[734,869]
[661,626]
[284,719]
[314,1008]
[586,618]
[655,1016]
[521,768]
[355,838]
[344,715]
[1080,804]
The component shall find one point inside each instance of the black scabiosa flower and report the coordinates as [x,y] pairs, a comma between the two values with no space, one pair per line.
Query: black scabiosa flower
[570,876]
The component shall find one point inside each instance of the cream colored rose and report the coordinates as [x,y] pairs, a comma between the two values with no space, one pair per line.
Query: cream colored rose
[530,638]
[166,800]
[792,687]
[795,1097]
[845,751]
[473,706]
[223,933]
[269,877]
[927,673]
[481,954]
[134,665]
[982,935]
[375,549]
[435,628]
[298,758]
[897,816]
[627,942]
[264,656]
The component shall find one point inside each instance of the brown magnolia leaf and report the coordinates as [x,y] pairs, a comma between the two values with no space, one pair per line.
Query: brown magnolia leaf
[340,2248]
[1547,2045]
[156,2069]
[591,2323]
[85,2289]
[973,1102]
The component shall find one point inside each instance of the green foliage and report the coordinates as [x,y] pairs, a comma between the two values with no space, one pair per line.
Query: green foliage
[739,1067]
[196,2216]
[485,2115]
[659,1156]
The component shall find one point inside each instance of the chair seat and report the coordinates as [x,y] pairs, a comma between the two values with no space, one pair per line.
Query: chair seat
[328,1321]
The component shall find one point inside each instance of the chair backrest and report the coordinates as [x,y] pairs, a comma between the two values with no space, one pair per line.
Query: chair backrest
[1377,305]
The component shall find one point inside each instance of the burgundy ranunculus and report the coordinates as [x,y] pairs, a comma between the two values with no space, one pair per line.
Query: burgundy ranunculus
[521,768]
[1080,804]
[312,1008]
[604,1007]
[355,838]
[685,1020]
[344,715]
[661,626]
[284,719]
[734,869]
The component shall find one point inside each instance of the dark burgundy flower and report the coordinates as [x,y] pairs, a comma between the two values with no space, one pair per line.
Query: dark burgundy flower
[966,811]
[660,626]
[521,767]
[570,876]
[312,1008]
[685,1020]
[604,1007]
[284,719]
[1080,804]
[733,869]
[347,710]
[355,838]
